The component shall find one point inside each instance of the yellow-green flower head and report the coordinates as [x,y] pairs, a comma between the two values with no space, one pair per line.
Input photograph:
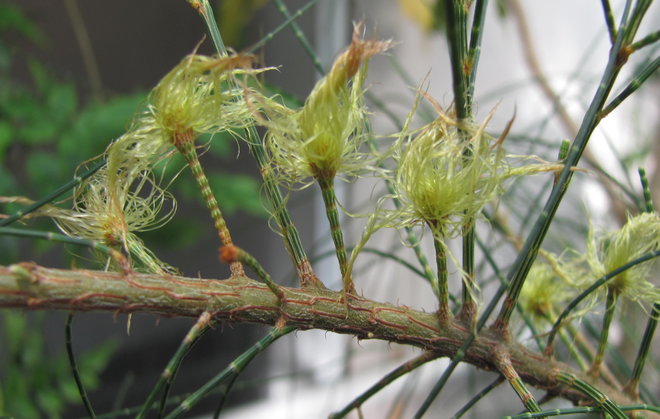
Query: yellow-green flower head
[325,137]
[544,294]
[202,95]
[113,205]
[639,236]
[445,177]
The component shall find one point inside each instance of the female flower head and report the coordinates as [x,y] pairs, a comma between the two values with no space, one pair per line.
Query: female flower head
[325,137]
[605,253]
[201,94]
[446,175]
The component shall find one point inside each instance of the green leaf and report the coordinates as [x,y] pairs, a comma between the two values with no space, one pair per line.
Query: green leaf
[44,171]
[96,126]
[13,19]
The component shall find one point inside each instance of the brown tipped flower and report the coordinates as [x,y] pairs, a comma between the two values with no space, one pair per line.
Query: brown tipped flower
[325,137]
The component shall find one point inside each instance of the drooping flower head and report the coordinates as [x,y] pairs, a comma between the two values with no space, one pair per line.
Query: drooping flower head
[325,137]
[118,201]
[607,252]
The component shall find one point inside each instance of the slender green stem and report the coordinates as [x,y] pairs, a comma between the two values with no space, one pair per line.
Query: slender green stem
[640,77]
[224,392]
[384,382]
[469,307]
[456,14]
[461,352]
[74,367]
[645,41]
[604,333]
[581,411]
[640,9]
[577,300]
[646,190]
[231,254]
[505,367]
[632,386]
[185,144]
[526,257]
[116,255]
[572,349]
[599,398]
[268,37]
[327,185]
[464,67]
[51,196]
[282,216]
[476,35]
[300,35]
[609,19]
[443,289]
[499,380]
[411,237]
[500,276]
[233,369]
[165,380]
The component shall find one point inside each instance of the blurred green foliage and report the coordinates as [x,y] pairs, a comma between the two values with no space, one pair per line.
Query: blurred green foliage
[36,384]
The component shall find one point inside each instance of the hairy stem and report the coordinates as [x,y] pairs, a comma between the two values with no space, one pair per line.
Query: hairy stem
[243,300]
[185,144]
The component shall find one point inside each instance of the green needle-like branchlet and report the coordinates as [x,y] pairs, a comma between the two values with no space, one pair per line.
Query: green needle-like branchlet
[610,305]
[53,195]
[599,398]
[74,367]
[185,144]
[233,254]
[444,314]
[505,367]
[114,254]
[384,382]
[234,368]
[165,380]
[282,216]
[527,256]
[327,186]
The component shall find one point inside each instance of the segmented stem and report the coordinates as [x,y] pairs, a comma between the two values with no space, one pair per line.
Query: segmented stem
[599,398]
[640,77]
[632,387]
[582,410]
[646,190]
[327,185]
[609,19]
[403,369]
[443,289]
[499,380]
[503,362]
[185,144]
[74,367]
[165,380]
[610,304]
[234,369]
[232,254]
[282,216]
